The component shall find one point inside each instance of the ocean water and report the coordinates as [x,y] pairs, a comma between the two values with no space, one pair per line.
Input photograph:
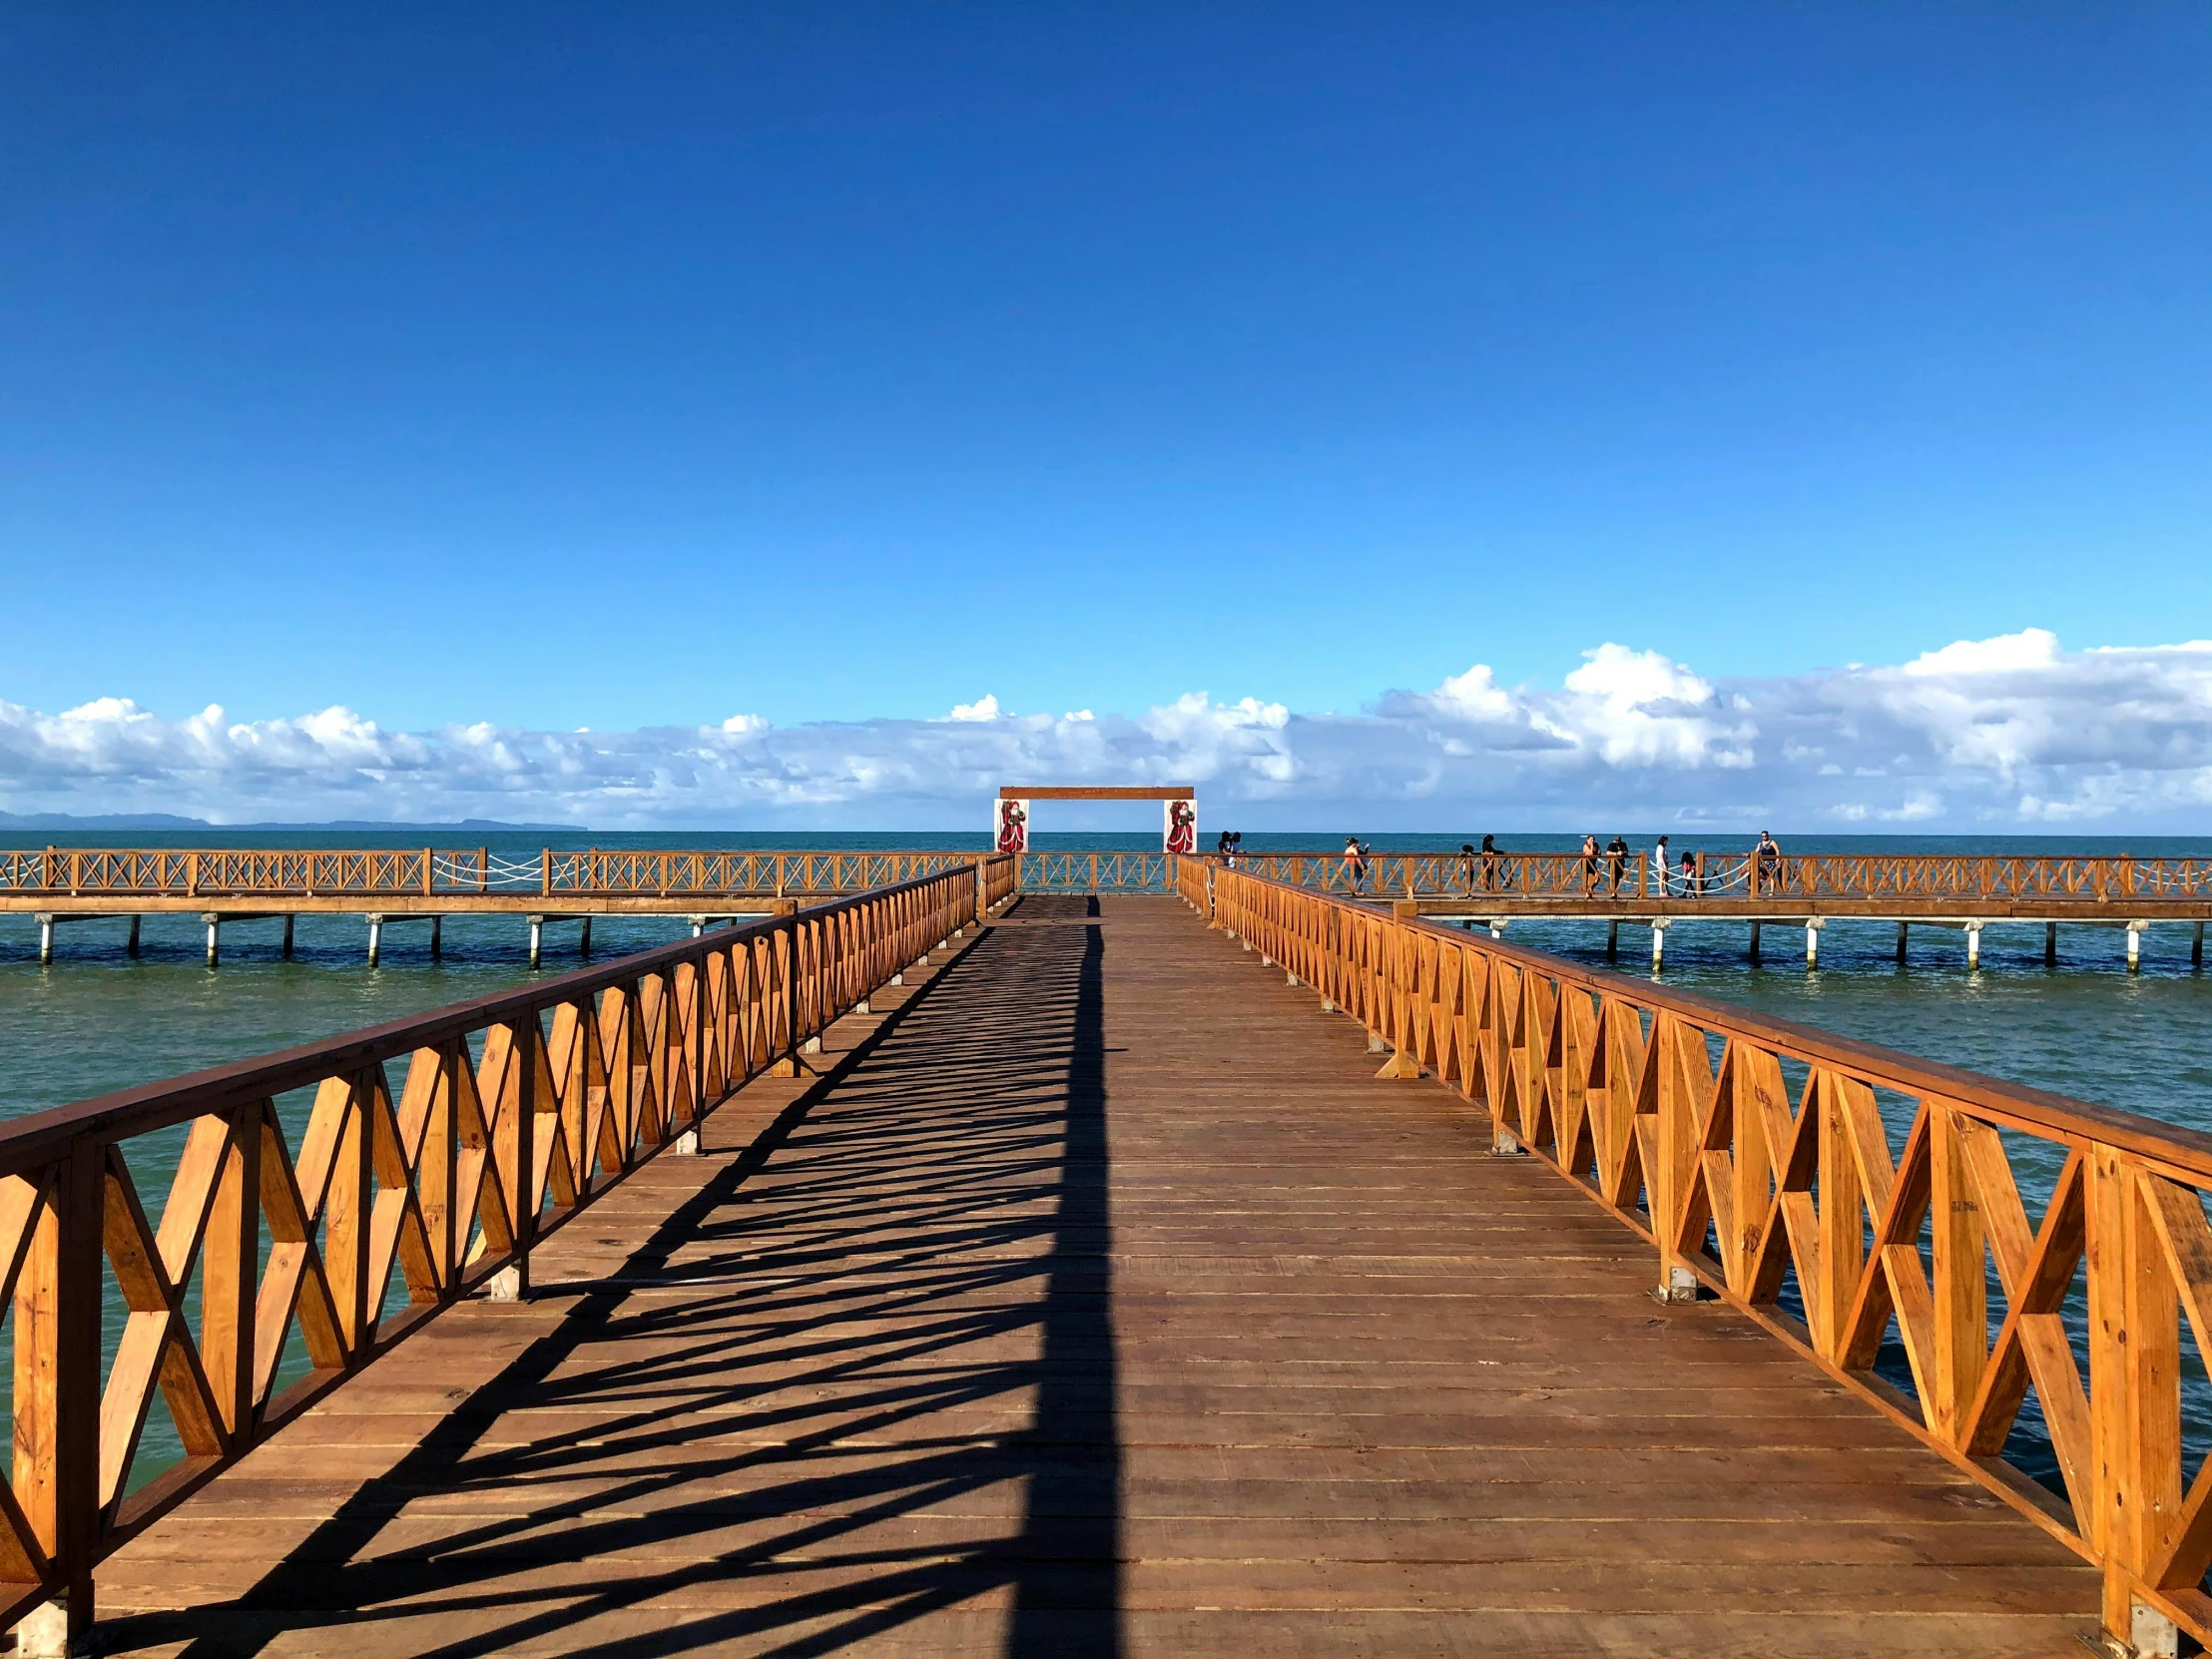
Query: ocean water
[97,1020]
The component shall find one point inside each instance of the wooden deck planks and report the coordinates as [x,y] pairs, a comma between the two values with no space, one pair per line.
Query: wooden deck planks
[1107,1305]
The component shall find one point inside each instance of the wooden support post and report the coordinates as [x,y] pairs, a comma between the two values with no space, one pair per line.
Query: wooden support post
[1903,927]
[133,946]
[583,942]
[2196,944]
[2050,942]
[437,939]
[288,919]
[375,940]
[1755,942]
[1613,938]
[1961,1290]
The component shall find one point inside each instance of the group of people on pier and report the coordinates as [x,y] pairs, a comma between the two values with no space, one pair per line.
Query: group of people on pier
[1606,870]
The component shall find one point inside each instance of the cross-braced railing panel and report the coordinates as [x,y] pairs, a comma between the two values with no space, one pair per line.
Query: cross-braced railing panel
[1982,1259]
[325,1201]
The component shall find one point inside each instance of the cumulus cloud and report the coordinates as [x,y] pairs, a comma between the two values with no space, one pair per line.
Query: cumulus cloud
[2007,732]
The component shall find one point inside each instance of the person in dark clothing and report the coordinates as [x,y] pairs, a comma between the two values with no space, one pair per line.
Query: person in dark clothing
[1489,858]
[1589,863]
[1616,863]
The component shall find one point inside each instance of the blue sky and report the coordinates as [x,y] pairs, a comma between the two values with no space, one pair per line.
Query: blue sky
[643,367]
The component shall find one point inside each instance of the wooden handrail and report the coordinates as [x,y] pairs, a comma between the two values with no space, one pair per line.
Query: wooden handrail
[1757,1157]
[439,1149]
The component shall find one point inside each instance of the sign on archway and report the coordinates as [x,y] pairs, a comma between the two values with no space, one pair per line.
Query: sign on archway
[1178,812]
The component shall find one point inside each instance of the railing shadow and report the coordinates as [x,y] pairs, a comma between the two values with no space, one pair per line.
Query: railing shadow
[916,1262]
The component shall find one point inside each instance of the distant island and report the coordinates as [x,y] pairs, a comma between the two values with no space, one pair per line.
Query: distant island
[170,821]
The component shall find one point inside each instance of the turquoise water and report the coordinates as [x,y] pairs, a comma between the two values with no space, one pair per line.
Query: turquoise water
[97,1020]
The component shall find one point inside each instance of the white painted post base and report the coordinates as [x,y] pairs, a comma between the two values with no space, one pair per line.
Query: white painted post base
[1813,943]
[1505,1143]
[1328,1006]
[505,1285]
[214,939]
[1375,1045]
[537,941]
[1658,946]
[45,941]
[1497,928]
[375,940]
[1266,961]
[898,978]
[813,1045]
[43,1633]
[1973,945]
[698,927]
[863,1006]
[685,1145]
[2134,946]
[1679,1287]
[1288,978]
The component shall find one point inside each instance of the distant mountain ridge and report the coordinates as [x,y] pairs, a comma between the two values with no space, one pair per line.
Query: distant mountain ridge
[170,821]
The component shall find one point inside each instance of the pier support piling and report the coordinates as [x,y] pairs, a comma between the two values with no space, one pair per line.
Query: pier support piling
[215,939]
[45,942]
[2051,945]
[133,945]
[2197,945]
[2134,946]
[1973,945]
[288,919]
[1612,938]
[1903,929]
[537,941]
[1498,927]
[1658,944]
[584,944]
[1812,942]
[437,937]
[1755,942]
[375,940]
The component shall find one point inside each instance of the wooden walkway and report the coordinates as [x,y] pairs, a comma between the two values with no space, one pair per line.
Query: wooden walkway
[1100,1301]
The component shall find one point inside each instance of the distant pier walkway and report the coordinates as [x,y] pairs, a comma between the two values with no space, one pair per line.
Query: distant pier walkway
[1104,1301]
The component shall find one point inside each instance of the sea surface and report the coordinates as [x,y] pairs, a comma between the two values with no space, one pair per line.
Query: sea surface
[98,1020]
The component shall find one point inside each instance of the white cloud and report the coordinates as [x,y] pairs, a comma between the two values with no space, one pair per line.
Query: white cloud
[1983,733]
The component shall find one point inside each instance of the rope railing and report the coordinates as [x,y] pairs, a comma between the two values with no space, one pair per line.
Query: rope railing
[1851,1199]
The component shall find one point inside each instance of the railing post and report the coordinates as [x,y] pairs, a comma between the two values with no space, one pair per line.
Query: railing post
[483,869]
[76,1378]
[427,865]
[545,871]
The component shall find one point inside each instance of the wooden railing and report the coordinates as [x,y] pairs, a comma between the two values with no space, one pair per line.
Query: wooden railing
[1570,875]
[428,872]
[1854,1201]
[1089,873]
[444,1146]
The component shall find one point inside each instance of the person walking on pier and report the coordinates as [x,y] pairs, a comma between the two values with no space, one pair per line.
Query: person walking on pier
[1589,863]
[1616,864]
[1659,871]
[1466,866]
[1489,863]
[1691,888]
[1769,861]
[1354,864]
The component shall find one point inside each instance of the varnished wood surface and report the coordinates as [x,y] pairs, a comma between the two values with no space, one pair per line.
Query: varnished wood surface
[1107,1303]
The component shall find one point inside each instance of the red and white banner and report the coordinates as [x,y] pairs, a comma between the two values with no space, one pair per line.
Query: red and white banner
[1179,827]
[1010,827]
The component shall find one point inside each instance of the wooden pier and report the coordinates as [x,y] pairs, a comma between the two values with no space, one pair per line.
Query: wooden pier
[1100,1287]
